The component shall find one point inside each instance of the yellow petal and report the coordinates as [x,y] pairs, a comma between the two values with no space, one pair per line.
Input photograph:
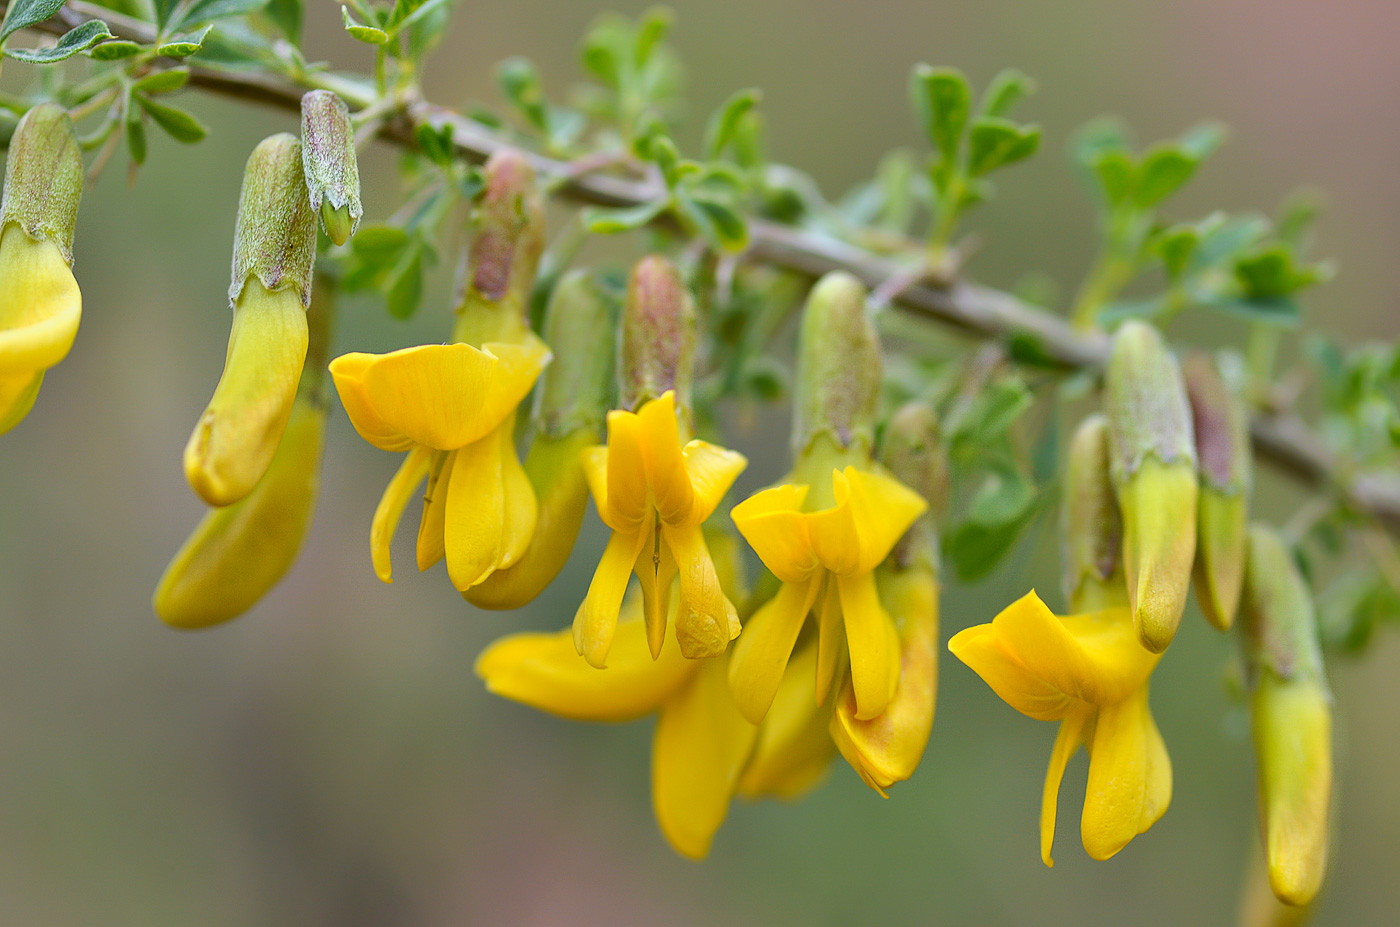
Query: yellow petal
[17,394]
[981,649]
[1292,723]
[835,533]
[240,551]
[1067,740]
[794,749]
[665,468]
[348,373]
[706,620]
[595,622]
[40,305]
[234,440]
[711,470]
[432,544]
[701,745]
[401,488]
[1127,773]
[625,505]
[873,643]
[656,574]
[887,749]
[474,520]
[518,503]
[832,655]
[773,524]
[883,509]
[546,672]
[762,651]
[595,472]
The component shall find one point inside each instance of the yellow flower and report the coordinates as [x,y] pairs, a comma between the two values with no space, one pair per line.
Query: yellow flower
[826,561]
[1090,673]
[39,311]
[453,407]
[654,494]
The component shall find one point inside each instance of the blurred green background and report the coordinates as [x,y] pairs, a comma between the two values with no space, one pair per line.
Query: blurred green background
[330,759]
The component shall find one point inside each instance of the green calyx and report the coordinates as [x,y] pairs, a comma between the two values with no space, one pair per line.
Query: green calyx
[329,163]
[838,366]
[657,348]
[44,177]
[275,239]
[575,390]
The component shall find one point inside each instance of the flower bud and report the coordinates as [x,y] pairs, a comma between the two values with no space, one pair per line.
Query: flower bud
[1221,425]
[1091,527]
[329,162]
[505,252]
[914,455]
[571,401]
[658,336]
[1153,466]
[1292,717]
[838,366]
[274,246]
[240,551]
[40,305]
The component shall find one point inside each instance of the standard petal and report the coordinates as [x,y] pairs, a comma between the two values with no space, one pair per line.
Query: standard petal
[883,509]
[1067,740]
[761,653]
[1108,638]
[835,533]
[1092,665]
[711,470]
[40,305]
[595,622]
[626,474]
[773,524]
[873,643]
[546,672]
[981,649]
[401,488]
[348,373]
[794,749]
[474,520]
[665,467]
[701,745]
[706,620]
[432,525]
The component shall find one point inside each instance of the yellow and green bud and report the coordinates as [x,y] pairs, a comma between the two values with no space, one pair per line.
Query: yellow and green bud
[1291,710]
[1091,526]
[571,401]
[329,163]
[1153,466]
[657,346]
[500,267]
[1221,424]
[274,248]
[239,552]
[40,305]
[838,368]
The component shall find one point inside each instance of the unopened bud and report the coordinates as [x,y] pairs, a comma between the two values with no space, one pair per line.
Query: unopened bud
[838,366]
[275,240]
[1091,527]
[575,390]
[658,336]
[510,234]
[329,162]
[1153,465]
[914,455]
[1221,424]
[44,178]
[1292,717]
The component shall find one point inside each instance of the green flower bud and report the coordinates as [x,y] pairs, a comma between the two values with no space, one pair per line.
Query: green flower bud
[275,239]
[1091,526]
[44,178]
[1292,717]
[914,455]
[657,346]
[571,402]
[1221,425]
[838,367]
[505,252]
[1153,465]
[329,162]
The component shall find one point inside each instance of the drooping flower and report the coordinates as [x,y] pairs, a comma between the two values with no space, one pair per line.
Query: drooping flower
[453,406]
[40,305]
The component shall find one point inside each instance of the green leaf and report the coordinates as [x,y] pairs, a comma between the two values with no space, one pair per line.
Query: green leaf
[1165,169]
[720,223]
[1282,311]
[613,221]
[136,141]
[652,29]
[367,34]
[1175,246]
[1270,271]
[404,285]
[1098,138]
[163,81]
[725,120]
[520,83]
[1006,90]
[1145,307]
[177,123]
[286,15]
[204,11]
[1002,506]
[943,100]
[996,142]
[111,51]
[1222,242]
[378,242]
[182,46]
[163,9]
[605,49]
[73,41]
[1298,215]
[21,14]
[435,143]
[1201,141]
[1114,171]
